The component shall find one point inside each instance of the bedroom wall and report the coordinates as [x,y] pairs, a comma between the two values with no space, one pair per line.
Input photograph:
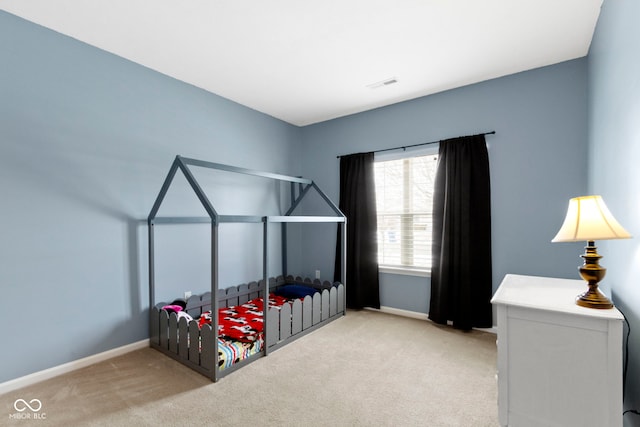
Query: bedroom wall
[538,161]
[614,156]
[86,139]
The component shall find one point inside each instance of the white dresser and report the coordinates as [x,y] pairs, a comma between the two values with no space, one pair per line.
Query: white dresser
[559,364]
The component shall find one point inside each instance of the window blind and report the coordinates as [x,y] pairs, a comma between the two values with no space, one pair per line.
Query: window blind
[404,199]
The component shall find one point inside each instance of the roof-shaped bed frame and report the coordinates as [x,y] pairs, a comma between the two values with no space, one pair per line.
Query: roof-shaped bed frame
[172,336]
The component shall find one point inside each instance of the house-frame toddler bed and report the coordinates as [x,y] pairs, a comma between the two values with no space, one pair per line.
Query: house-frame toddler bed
[216,345]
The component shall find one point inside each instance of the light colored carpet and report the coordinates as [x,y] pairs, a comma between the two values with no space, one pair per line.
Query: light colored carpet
[365,369]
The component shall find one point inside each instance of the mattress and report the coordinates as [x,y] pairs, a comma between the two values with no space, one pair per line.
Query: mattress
[240,329]
[231,352]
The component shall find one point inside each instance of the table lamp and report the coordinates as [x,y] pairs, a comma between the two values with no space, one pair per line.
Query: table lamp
[588,219]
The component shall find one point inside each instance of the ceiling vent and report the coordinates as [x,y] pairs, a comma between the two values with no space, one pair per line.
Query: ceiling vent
[385,82]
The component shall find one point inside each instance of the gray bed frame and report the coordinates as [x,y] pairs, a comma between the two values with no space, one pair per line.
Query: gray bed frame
[198,348]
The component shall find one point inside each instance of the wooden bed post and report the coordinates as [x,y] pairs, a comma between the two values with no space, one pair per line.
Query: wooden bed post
[343,276]
[283,231]
[152,282]
[214,295]
[265,277]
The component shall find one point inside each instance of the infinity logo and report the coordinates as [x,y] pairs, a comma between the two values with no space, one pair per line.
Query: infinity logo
[37,405]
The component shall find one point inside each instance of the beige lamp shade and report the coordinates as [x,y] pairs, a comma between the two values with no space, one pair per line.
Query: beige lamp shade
[588,219]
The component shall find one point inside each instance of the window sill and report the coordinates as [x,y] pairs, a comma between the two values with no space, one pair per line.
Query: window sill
[405,271]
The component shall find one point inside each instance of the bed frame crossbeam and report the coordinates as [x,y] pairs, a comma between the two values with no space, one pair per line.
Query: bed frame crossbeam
[248,219]
[228,168]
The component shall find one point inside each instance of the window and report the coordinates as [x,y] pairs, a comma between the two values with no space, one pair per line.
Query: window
[404,199]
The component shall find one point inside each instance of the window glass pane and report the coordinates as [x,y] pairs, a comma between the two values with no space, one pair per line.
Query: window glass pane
[404,198]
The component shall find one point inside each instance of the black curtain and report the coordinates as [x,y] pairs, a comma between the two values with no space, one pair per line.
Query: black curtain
[358,203]
[461,271]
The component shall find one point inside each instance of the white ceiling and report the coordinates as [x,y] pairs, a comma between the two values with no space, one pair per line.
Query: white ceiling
[306,61]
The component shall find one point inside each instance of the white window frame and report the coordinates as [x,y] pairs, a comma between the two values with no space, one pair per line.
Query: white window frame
[397,155]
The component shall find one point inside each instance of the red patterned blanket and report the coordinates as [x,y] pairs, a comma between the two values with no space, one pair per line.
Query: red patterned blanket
[242,322]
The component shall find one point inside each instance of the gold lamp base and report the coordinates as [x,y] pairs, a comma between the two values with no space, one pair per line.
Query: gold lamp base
[593,298]
[592,272]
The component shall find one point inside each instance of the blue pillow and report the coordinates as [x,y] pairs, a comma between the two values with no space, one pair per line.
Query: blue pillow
[295,291]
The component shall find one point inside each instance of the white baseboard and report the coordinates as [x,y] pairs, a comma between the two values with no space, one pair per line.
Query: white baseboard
[403,313]
[492,330]
[421,316]
[46,374]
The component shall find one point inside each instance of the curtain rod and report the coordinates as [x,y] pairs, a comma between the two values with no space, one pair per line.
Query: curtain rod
[404,147]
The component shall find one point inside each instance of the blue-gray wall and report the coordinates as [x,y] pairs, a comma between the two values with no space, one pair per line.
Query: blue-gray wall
[538,159]
[86,139]
[614,162]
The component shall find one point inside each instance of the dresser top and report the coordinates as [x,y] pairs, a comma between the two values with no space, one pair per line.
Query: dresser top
[546,293]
